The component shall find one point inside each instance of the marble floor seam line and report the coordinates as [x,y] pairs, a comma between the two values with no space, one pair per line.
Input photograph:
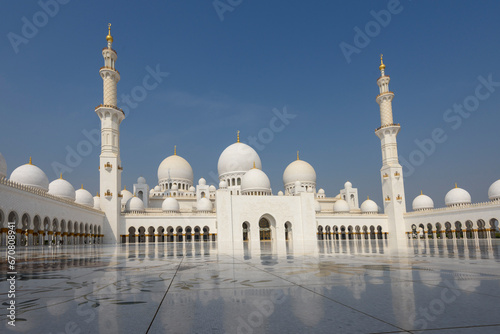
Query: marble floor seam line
[161,302]
[333,300]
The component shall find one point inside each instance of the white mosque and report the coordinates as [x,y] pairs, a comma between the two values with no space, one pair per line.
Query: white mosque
[243,210]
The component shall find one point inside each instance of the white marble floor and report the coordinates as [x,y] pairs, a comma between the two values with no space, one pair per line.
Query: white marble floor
[364,286]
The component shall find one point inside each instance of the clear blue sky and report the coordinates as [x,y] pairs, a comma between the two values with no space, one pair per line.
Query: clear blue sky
[228,75]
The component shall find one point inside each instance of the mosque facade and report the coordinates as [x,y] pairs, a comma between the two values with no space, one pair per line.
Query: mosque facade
[242,210]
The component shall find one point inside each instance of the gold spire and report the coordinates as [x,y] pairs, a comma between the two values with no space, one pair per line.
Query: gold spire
[456,185]
[298,155]
[82,185]
[125,187]
[109,38]
[175,149]
[238,136]
[367,197]
[254,165]
[382,66]
[98,194]
[60,176]
[421,192]
[29,163]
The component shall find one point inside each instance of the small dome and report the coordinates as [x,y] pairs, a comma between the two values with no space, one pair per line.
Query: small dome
[175,187]
[280,193]
[299,170]
[457,196]
[97,202]
[3,166]
[255,180]
[212,188]
[238,158]
[62,188]
[30,175]
[494,191]
[317,206]
[342,206]
[151,192]
[422,202]
[369,206]
[298,184]
[83,197]
[157,188]
[141,180]
[202,182]
[321,191]
[134,204]
[126,195]
[192,189]
[222,185]
[170,204]
[347,185]
[175,167]
[204,205]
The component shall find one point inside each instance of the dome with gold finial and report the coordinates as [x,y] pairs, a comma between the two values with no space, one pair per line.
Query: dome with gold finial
[109,38]
[457,196]
[30,175]
[237,159]
[84,197]
[175,169]
[62,188]
[299,170]
[422,202]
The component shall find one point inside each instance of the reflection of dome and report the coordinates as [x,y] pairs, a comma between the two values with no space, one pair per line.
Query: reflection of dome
[30,175]
[369,206]
[255,180]
[141,180]
[3,166]
[134,204]
[175,167]
[299,170]
[494,191]
[62,188]
[238,158]
[341,206]
[422,202]
[83,197]
[317,206]
[170,204]
[204,205]
[348,185]
[457,196]
[126,195]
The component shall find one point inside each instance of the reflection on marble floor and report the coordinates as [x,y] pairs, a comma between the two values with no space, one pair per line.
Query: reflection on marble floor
[357,286]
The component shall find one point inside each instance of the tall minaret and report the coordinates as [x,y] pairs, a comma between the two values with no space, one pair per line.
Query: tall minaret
[391,172]
[110,165]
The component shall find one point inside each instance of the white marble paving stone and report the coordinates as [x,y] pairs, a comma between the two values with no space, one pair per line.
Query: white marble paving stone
[340,288]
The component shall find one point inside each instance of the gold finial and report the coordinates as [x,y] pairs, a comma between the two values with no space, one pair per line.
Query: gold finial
[238,136]
[98,194]
[109,38]
[60,176]
[456,185]
[298,155]
[125,187]
[29,163]
[367,197]
[382,66]
[175,149]
[254,164]
[421,192]
[82,186]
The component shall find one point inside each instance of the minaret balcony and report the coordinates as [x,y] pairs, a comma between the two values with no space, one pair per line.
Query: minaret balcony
[108,106]
[397,175]
[109,68]
[108,166]
[108,194]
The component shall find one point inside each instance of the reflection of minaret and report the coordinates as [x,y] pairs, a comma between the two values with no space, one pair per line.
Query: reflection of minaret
[391,172]
[110,165]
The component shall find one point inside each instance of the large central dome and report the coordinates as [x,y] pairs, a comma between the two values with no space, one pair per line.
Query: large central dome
[238,158]
[175,167]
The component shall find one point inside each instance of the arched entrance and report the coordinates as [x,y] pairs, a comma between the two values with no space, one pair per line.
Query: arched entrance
[264,229]
[288,231]
[246,228]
